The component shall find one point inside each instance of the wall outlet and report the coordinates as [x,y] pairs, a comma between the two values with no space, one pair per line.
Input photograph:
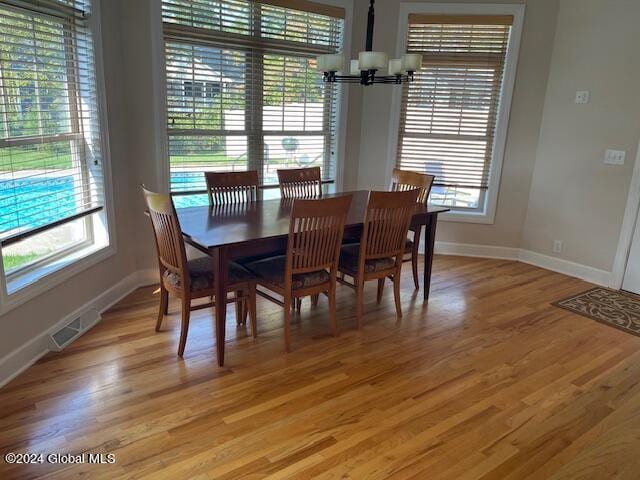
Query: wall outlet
[614,157]
[557,246]
[583,96]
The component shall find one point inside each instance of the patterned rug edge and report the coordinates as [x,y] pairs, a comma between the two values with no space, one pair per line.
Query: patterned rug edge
[558,304]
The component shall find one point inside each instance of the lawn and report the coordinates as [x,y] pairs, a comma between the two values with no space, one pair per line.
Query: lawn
[14,261]
[49,159]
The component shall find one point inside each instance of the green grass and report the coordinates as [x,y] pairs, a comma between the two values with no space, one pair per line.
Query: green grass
[21,158]
[47,159]
[12,262]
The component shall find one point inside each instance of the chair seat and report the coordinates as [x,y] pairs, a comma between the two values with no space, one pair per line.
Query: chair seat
[273,270]
[349,260]
[202,277]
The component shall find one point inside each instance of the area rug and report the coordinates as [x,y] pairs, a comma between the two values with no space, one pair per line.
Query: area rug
[617,309]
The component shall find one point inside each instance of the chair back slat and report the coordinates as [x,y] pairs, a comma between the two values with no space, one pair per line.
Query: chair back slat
[315,234]
[232,187]
[167,233]
[386,223]
[300,182]
[403,180]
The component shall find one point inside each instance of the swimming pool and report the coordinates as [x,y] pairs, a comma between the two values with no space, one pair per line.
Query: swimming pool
[22,199]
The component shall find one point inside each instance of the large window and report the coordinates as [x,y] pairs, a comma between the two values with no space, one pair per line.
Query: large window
[51,182]
[450,115]
[243,91]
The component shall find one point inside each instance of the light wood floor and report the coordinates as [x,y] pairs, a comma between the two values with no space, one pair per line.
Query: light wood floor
[487,381]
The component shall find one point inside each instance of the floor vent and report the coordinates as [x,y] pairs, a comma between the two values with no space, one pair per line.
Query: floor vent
[62,337]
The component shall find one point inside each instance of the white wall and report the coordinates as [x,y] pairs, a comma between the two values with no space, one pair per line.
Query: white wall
[574,196]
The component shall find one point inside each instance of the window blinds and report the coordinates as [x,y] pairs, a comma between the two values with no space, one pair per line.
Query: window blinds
[50,155]
[448,114]
[243,91]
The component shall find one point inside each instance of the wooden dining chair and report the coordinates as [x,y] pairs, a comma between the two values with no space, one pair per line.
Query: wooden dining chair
[189,280]
[310,266]
[402,180]
[300,182]
[232,187]
[381,249]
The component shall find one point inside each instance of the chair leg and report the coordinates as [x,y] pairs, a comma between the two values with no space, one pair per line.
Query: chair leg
[314,299]
[380,289]
[298,304]
[414,268]
[332,310]
[164,306]
[396,293]
[251,304]
[359,302]
[184,329]
[287,323]
[239,309]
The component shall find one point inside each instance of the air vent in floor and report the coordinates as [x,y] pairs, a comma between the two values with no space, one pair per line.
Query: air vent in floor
[63,336]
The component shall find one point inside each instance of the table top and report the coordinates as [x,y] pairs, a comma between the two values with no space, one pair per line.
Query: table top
[211,227]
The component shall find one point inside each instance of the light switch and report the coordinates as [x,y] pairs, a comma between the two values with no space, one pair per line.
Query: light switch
[583,96]
[614,157]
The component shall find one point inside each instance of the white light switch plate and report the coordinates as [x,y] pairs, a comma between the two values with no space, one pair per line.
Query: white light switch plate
[583,96]
[614,157]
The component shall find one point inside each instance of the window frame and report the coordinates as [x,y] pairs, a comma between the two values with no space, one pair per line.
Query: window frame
[32,280]
[159,88]
[486,213]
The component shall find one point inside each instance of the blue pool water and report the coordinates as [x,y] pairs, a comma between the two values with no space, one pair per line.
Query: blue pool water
[32,202]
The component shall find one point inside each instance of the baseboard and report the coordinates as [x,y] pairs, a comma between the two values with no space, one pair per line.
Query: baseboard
[17,361]
[571,269]
[583,272]
[481,251]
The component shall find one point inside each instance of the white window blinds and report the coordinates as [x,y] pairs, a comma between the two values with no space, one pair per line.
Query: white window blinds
[448,114]
[50,155]
[242,88]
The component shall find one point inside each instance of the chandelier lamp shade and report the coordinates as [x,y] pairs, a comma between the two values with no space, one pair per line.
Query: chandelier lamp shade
[366,68]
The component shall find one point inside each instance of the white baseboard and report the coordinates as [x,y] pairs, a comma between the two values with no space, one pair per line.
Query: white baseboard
[584,272]
[17,361]
[481,251]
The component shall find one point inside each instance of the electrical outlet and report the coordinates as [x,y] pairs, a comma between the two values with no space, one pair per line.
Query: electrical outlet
[557,246]
[583,96]
[614,157]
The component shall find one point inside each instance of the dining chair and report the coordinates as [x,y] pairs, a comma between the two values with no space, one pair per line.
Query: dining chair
[190,279]
[381,249]
[402,180]
[310,265]
[232,187]
[300,182]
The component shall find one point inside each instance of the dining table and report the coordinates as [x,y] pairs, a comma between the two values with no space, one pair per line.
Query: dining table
[256,229]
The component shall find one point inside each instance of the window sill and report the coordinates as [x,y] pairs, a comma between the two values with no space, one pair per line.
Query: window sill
[467,217]
[25,287]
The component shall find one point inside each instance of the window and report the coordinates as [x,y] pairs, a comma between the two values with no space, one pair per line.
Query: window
[450,116]
[51,178]
[243,91]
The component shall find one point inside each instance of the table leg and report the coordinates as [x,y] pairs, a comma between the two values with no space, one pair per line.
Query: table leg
[429,244]
[220,269]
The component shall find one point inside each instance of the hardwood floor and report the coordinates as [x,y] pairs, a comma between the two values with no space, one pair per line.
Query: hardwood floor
[487,381]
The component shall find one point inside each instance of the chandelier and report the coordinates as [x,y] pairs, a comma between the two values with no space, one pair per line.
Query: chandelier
[369,63]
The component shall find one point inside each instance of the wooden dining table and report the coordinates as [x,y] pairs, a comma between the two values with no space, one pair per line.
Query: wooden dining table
[254,229]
